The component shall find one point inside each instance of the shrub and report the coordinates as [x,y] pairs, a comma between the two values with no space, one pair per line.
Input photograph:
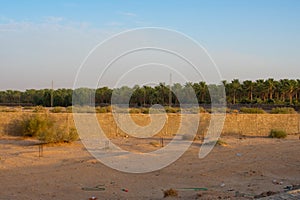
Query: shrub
[58,135]
[283,110]
[39,109]
[33,125]
[169,109]
[202,110]
[69,109]
[218,110]
[216,142]
[277,134]
[252,110]
[221,142]
[145,110]
[109,109]
[101,110]
[170,193]
[134,111]
[57,109]
[83,109]
[46,129]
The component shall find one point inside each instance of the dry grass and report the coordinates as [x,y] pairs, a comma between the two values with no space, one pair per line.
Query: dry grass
[170,193]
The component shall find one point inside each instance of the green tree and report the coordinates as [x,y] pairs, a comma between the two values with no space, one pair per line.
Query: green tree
[235,86]
[248,85]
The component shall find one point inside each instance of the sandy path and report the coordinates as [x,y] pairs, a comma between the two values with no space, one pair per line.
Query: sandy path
[247,167]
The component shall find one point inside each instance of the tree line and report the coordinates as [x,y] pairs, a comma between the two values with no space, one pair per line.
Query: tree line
[269,91]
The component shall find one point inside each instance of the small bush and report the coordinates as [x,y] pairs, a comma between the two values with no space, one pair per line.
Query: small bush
[101,110]
[202,110]
[145,110]
[277,134]
[33,125]
[109,109]
[47,129]
[170,193]
[83,109]
[216,142]
[218,110]
[221,142]
[69,109]
[134,111]
[252,110]
[39,109]
[284,110]
[58,135]
[169,109]
[58,110]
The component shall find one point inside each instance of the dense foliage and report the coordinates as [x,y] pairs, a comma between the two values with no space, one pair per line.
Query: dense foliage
[270,91]
[46,129]
[274,133]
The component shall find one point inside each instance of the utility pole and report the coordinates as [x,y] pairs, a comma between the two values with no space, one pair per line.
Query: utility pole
[170,92]
[51,103]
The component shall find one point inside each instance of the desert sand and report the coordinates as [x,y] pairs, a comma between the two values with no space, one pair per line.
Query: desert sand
[245,167]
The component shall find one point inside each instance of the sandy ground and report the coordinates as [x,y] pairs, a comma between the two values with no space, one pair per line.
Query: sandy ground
[244,168]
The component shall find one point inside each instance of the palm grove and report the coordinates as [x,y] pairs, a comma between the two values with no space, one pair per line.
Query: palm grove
[270,91]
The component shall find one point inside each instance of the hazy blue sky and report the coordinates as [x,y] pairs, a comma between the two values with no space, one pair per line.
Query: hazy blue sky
[42,41]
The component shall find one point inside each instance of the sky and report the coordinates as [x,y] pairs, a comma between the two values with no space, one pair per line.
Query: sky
[45,41]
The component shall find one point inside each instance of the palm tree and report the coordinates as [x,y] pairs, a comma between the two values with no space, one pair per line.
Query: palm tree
[201,90]
[297,90]
[235,85]
[261,89]
[291,86]
[249,86]
[270,83]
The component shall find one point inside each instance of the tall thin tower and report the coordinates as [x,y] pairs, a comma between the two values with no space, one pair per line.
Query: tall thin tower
[170,92]
[51,103]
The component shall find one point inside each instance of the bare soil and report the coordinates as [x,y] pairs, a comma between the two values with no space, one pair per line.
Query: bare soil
[242,169]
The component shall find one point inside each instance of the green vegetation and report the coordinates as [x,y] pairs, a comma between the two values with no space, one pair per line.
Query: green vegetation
[275,133]
[216,142]
[221,142]
[252,110]
[270,91]
[169,109]
[46,129]
[283,110]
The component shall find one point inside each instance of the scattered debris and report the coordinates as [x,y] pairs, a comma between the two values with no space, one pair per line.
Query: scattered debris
[242,194]
[291,187]
[93,198]
[125,190]
[194,189]
[239,194]
[239,154]
[170,193]
[222,185]
[277,182]
[265,194]
[96,188]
